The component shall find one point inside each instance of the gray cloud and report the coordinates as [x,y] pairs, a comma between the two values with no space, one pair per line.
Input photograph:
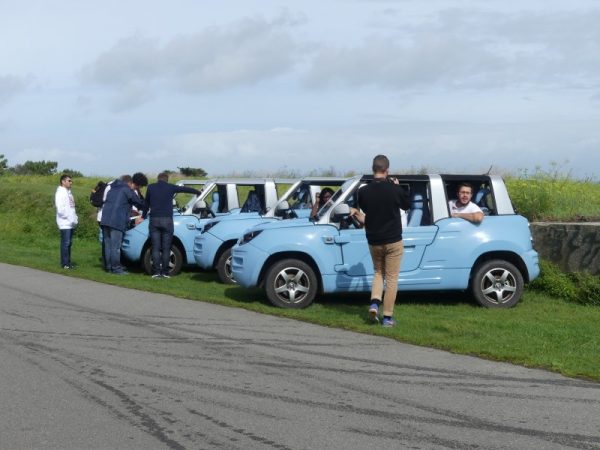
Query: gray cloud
[11,85]
[469,49]
[217,58]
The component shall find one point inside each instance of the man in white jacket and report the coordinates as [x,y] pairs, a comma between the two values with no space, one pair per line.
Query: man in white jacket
[66,219]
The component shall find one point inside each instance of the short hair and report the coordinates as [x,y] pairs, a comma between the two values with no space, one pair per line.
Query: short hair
[140,179]
[163,176]
[381,163]
[63,177]
[464,184]
[126,178]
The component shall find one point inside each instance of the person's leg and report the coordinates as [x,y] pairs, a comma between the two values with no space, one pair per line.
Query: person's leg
[167,240]
[393,259]
[377,256]
[65,244]
[155,238]
[69,245]
[104,264]
[115,252]
[107,240]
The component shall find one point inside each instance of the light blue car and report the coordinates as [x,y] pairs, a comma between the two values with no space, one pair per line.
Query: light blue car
[212,247]
[296,260]
[219,197]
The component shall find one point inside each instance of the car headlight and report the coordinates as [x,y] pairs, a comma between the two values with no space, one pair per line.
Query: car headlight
[208,226]
[249,236]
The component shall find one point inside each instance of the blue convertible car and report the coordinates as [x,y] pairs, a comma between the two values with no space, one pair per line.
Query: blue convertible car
[212,247]
[295,260]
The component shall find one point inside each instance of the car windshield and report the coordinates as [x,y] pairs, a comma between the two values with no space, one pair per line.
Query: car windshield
[327,206]
[300,198]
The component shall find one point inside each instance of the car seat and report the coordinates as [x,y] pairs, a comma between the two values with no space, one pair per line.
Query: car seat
[214,207]
[415,214]
[480,199]
[252,203]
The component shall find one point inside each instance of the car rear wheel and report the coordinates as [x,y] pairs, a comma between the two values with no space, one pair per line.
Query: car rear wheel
[497,284]
[175,260]
[224,268]
[291,283]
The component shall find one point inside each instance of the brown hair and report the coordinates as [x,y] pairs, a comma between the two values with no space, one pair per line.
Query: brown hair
[381,163]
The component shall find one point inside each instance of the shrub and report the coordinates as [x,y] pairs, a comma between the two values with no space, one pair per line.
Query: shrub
[578,287]
[588,287]
[35,168]
[555,282]
[192,172]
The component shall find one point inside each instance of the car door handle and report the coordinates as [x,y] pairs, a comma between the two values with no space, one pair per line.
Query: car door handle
[191,226]
[342,239]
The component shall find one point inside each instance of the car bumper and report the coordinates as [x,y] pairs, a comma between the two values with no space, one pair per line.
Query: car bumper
[133,244]
[206,246]
[246,264]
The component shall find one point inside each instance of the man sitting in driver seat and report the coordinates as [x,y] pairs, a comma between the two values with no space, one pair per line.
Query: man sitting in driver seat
[463,207]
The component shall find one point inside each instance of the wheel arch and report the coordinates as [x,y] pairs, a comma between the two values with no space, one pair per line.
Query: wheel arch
[510,257]
[285,255]
[224,246]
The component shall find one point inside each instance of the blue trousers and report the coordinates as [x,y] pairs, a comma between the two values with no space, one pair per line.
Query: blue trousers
[112,248]
[66,239]
[161,235]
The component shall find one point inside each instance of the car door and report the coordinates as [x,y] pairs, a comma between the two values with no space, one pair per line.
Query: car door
[356,271]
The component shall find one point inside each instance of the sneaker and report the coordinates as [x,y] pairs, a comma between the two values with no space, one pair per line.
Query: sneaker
[165,275]
[374,313]
[120,272]
[388,322]
[156,276]
[67,267]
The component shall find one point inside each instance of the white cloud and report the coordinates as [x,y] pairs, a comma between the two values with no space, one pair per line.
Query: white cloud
[11,85]
[459,48]
[216,58]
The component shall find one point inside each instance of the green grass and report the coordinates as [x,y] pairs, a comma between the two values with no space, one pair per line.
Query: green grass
[541,331]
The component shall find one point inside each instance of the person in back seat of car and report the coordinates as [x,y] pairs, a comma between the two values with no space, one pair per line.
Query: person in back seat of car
[463,207]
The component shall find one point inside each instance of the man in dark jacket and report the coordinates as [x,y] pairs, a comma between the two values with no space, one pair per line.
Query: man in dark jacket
[115,217]
[159,203]
[381,201]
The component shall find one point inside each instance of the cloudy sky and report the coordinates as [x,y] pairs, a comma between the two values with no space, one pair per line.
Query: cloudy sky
[261,86]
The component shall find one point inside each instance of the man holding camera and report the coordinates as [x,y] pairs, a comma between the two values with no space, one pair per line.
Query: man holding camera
[381,201]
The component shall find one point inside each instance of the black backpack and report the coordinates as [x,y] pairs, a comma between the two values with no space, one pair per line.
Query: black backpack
[97,195]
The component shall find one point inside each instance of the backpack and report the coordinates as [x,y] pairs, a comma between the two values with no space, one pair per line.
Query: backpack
[97,195]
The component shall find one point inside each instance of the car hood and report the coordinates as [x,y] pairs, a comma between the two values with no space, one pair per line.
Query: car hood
[289,223]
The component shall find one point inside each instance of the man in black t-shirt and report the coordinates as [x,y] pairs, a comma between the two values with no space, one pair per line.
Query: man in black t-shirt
[381,201]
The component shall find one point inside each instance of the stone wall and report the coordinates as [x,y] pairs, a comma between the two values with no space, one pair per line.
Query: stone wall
[574,247]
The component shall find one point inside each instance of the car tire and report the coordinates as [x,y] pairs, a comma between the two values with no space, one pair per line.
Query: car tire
[291,283]
[497,284]
[175,262]
[224,267]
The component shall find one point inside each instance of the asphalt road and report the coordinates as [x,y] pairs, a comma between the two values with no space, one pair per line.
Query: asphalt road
[87,365]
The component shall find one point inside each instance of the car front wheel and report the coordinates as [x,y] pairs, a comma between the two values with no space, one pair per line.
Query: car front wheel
[224,268]
[175,260]
[497,284]
[291,283]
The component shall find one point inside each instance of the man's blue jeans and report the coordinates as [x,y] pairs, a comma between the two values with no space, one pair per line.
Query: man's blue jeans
[66,239]
[161,235]
[112,248]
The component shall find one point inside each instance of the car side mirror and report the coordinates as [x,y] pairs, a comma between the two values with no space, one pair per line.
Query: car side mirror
[199,206]
[283,206]
[340,211]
